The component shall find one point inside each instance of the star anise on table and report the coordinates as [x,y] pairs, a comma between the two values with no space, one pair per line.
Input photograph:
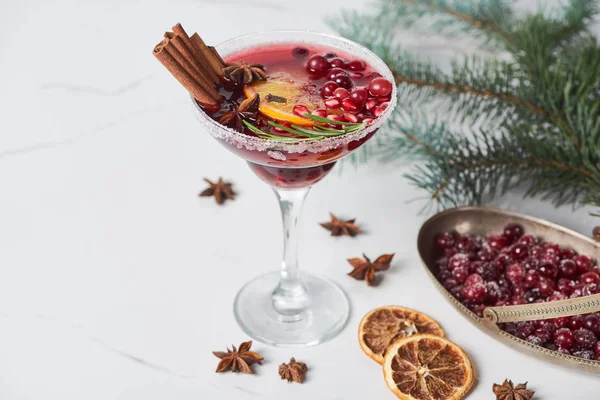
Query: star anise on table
[507,391]
[247,110]
[221,190]
[238,360]
[339,227]
[293,371]
[364,270]
[245,73]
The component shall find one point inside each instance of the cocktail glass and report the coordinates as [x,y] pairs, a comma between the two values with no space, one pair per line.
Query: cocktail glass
[288,307]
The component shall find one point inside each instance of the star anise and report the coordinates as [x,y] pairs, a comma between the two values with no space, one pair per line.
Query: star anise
[238,360]
[293,371]
[339,227]
[507,391]
[596,233]
[364,270]
[245,73]
[221,191]
[246,111]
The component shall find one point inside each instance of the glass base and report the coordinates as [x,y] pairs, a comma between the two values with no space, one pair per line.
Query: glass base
[321,320]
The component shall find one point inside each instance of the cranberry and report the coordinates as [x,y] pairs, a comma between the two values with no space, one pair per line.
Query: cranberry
[458,260]
[473,279]
[475,292]
[592,323]
[515,273]
[488,271]
[556,296]
[337,63]
[590,289]
[335,72]
[567,268]
[503,260]
[531,296]
[531,279]
[348,116]
[328,88]
[357,65]
[546,286]
[575,322]
[513,232]
[319,112]
[329,55]
[300,110]
[460,273]
[360,96]
[589,277]
[525,329]
[584,263]
[341,93]
[456,291]
[519,252]
[518,289]
[370,104]
[299,52]
[535,340]
[548,269]
[567,254]
[316,64]
[380,87]
[536,252]
[485,255]
[564,338]
[497,242]
[343,81]
[565,286]
[465,243]
[527,240]
[585,354]
[585,338]
[332,104]
[563,351]
[561,321]
[449,283]
[597,348]
[577,291]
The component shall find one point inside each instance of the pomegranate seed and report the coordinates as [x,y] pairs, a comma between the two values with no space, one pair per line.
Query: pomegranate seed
[335,72]
[299,52]
[332,104]
[370,104]
[355,75]
[377,111]
[350,117]
[360,96]
[367,121]
[341,93]
[328,88]
[380,87]
[300,110]
[360,117]
[319,112]
[383,99]
[316,64]
[335,117]
[337,63]
[357,65]
[286,124]
[349,105]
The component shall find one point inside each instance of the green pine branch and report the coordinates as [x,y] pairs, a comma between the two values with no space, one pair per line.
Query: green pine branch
[532,118]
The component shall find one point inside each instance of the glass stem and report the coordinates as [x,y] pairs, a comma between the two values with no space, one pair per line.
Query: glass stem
[290,297]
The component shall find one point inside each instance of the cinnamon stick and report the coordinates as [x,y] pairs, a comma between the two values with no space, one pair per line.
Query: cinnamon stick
[217,55]
[199,72]
[198,56]
[202,80]
[213,61]
[186,80]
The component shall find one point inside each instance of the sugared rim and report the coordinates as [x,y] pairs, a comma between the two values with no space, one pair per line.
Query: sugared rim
[241,140]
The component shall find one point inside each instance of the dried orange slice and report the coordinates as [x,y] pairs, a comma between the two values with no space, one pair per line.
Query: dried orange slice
[383,326]
[427,367]
[286,87]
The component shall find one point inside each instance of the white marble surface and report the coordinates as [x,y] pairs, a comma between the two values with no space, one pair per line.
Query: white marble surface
[116,281]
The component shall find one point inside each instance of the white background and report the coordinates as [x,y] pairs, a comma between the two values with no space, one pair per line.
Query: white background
[116,281]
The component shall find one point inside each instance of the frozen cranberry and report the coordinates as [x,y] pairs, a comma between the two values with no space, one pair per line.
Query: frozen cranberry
[585,338]
[456,291]
[535,340]
[525,329]
[590,289]
[575,322]
[567,254]
[449,283]
[517,300]
[564,338]
[532,295]
[380,87]
[299,52]
[515,273]
[565,286]
[518,289]
[561,321]
[335,72]
[584,263]
[343,81]
[564,351]
[552,248]
[531,279]
[503,260]
[473,279]
[513,232]
[536,252]
[592,323]
[519,252]
[585,354]
[465,243]
[497,242]
[328,89]
[546,286]
[360,96]
[527,240]
[300,110]
[475,292]
[460,274]
[357,65]
[319,112]
[484,255]
[341,93]
[555,296]
[589,277]
[567,268]
[457,260]
[317,63]
[548,269]
[576,291]
[337,63]
[597,348]
[488,270]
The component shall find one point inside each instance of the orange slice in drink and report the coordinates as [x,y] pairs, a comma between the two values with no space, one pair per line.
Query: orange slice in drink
[383,326]
[427,367]
[285,87]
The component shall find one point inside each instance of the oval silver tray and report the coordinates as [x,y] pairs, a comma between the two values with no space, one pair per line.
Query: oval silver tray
[484,221]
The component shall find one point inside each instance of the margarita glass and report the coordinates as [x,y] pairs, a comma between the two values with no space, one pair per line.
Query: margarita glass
[289,307]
